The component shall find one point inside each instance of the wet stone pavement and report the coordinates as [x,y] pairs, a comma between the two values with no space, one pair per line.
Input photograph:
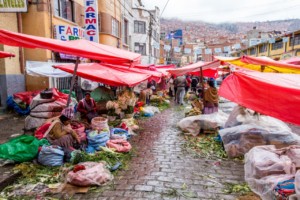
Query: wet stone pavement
[163,170]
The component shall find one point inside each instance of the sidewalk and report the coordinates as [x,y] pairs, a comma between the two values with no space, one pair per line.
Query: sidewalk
[11,125]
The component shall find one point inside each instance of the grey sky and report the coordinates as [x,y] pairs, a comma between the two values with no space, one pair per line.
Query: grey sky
[217,11]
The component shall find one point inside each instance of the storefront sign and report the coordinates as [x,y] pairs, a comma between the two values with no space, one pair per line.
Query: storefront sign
[13,6]
[67,33]
[91,20]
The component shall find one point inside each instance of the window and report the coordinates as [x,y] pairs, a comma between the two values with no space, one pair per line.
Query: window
[125,31]
[262,48]
[296,41]
[139,27]
[277,45]
[252,51]
[114,27]
[140,48]
[64,9]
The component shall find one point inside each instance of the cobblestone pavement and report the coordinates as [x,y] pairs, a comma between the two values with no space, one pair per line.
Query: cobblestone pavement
[161,169]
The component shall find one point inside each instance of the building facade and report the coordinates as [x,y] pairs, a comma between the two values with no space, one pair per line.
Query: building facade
[146,33]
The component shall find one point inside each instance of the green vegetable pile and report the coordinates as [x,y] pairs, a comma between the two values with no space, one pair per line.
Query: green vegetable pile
[241,189]
[204,146]
[161,106]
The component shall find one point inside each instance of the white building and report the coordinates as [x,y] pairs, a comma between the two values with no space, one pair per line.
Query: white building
[145,38]
[127,24]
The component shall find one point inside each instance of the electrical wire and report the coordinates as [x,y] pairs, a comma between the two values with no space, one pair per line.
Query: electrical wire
[164,8]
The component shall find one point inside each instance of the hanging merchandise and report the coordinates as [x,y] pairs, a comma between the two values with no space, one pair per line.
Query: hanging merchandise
[22,148]
[51,156]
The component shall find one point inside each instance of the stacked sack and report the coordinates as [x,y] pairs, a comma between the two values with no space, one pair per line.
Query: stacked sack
[99,136]
[44,107]
[271,172]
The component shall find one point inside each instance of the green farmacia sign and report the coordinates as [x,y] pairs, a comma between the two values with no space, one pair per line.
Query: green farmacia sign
[13,6]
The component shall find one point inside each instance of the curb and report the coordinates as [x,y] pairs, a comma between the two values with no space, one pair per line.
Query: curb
[9,179]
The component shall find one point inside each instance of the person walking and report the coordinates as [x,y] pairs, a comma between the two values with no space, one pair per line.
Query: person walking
[181,83]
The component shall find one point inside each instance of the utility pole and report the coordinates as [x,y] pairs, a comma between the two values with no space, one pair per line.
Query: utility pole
[150,35]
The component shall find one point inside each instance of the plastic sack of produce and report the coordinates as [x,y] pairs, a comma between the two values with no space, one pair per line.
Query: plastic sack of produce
[79,129]
[193,124]
[17,108]
[51,156]
[120,145]
[297,182]
[240,139]
[89,173]
[241,115]
[33,122]
[95,140]
[122,133]
[266,166]
[149,111]
[22,148]
[100,123]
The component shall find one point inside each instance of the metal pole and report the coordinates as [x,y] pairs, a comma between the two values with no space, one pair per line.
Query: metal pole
[73,81]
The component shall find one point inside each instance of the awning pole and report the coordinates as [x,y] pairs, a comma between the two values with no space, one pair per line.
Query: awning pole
[73,81]
[201,78]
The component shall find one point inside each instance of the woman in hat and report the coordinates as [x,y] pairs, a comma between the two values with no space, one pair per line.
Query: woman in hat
[211,99]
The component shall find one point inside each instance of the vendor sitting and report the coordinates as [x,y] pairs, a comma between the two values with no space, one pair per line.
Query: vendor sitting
[87,108]
[61,133]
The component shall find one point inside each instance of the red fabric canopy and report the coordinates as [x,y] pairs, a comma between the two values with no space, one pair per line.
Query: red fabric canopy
[4,54]
[155,75]
[293,61]
[107,75]
[211,73]
[194,68]
[276,95]
[81,48]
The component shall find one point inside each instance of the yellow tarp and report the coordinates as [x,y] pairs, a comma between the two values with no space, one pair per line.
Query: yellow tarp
[261,64]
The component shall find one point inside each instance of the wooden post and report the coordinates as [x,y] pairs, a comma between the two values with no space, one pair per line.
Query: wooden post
[73,81]
[202,82]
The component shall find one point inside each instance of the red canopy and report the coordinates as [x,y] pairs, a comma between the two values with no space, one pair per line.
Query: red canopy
[107,75]
[155,75]
[276,95]
[81,48]
[4,54]
[194,68]
[293,60]
[211,73]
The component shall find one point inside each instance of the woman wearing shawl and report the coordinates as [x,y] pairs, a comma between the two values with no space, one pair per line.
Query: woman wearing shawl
[61,134]
[87,108]
[211,99]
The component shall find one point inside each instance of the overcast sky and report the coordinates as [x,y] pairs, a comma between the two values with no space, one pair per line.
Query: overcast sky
[217,11]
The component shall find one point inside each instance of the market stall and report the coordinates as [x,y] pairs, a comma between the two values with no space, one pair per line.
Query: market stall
[272,94]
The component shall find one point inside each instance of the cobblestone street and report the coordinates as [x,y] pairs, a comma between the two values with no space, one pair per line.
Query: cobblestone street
[162,170]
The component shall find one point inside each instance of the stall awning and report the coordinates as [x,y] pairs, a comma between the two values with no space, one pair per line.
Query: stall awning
[45,69]
[194,68]
[4,54]
[273,94]
[155,75]
[261,64]
[293,60]
[81,48]
[106,75]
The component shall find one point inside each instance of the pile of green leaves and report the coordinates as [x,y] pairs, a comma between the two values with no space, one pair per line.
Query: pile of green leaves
[241,189]
[204,146]
[110,157]
[161,106]
[33,173]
